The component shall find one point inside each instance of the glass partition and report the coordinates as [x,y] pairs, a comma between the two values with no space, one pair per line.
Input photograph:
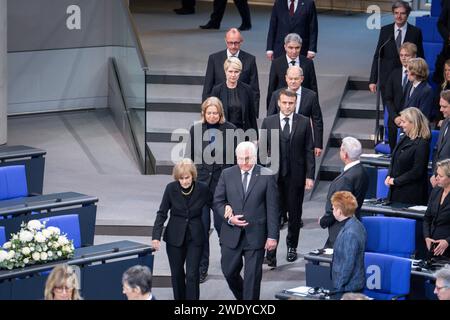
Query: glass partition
[130,67]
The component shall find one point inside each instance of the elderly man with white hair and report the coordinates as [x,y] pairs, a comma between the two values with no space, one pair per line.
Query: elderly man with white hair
[442,288]
[247,197]
[354,179]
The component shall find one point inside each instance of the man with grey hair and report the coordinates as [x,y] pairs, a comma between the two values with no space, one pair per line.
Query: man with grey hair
[277,80]
[137,283]
[354,179]
[247,197]
[442,286]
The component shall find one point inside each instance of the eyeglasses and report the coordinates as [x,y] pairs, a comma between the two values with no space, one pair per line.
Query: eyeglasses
[233,43]
[441,288]
[62,289]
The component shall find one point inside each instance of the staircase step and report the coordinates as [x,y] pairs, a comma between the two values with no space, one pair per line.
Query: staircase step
[359,104]
[161,156]
[358,83]
[161,125]
[175,79]
[361,129]
[174,93]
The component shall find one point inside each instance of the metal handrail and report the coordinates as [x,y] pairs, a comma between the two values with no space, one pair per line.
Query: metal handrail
[137,42]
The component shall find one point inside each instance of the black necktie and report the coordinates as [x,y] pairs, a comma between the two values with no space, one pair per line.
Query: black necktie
[398,40]
[404,80]
[244,181]
[291,8]
[286,129]
[293,62]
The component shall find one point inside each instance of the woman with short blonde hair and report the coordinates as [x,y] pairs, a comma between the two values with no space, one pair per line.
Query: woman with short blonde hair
[184,234]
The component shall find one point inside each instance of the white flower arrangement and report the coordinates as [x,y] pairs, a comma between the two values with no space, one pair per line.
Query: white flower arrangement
[35,243]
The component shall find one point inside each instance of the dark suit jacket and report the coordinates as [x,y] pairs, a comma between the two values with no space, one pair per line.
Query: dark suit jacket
[304,23]
[408,167]
[246,98]
[309,107]
[277,76]
[442,150]
[259,206]
[183,214]
[444,24]
[436,222]
[394,93]
[422,98]
[354,180]
[215,73]
[209,173]
[389,54]
[301,153]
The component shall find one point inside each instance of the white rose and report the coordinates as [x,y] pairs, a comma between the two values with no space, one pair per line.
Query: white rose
[39,237]
[43,256]
[31,249]
[36,256]
[10,254]
[55,245]
[34,225]
[7,245]
[26,251]
[47,233]
[15,237]
[25,236]
[54,230]
[59,253]
[26,260]
[63,240]
[3,255]
[50,254]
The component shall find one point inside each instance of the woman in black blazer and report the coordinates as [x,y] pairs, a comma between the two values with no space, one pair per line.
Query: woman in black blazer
[211,151]
[436,223]
[237,97]
[407,176]
[184,234]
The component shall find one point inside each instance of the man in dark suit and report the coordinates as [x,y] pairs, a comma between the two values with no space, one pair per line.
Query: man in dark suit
[442,150]
[246,195]
[395,91]
[390,40]
[354,179]
[215,73]
[219,9]
[307,104]
[293,145]
[290,16]
[277,76]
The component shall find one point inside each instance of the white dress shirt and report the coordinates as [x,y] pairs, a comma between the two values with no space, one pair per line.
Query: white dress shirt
[283,123]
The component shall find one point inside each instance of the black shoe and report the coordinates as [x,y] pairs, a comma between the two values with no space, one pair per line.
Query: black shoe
[291,255]
[203,276]
[272,263]
[210,25]
[301,223]
[184,11]
[244,27]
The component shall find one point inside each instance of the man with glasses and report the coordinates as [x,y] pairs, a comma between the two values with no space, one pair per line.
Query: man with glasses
[442,288]
[215,73]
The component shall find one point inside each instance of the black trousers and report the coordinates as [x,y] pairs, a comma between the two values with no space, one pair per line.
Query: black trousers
[291,200]
[392,134]
[249,287]
[219,10]
[185,284]
[188,4]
